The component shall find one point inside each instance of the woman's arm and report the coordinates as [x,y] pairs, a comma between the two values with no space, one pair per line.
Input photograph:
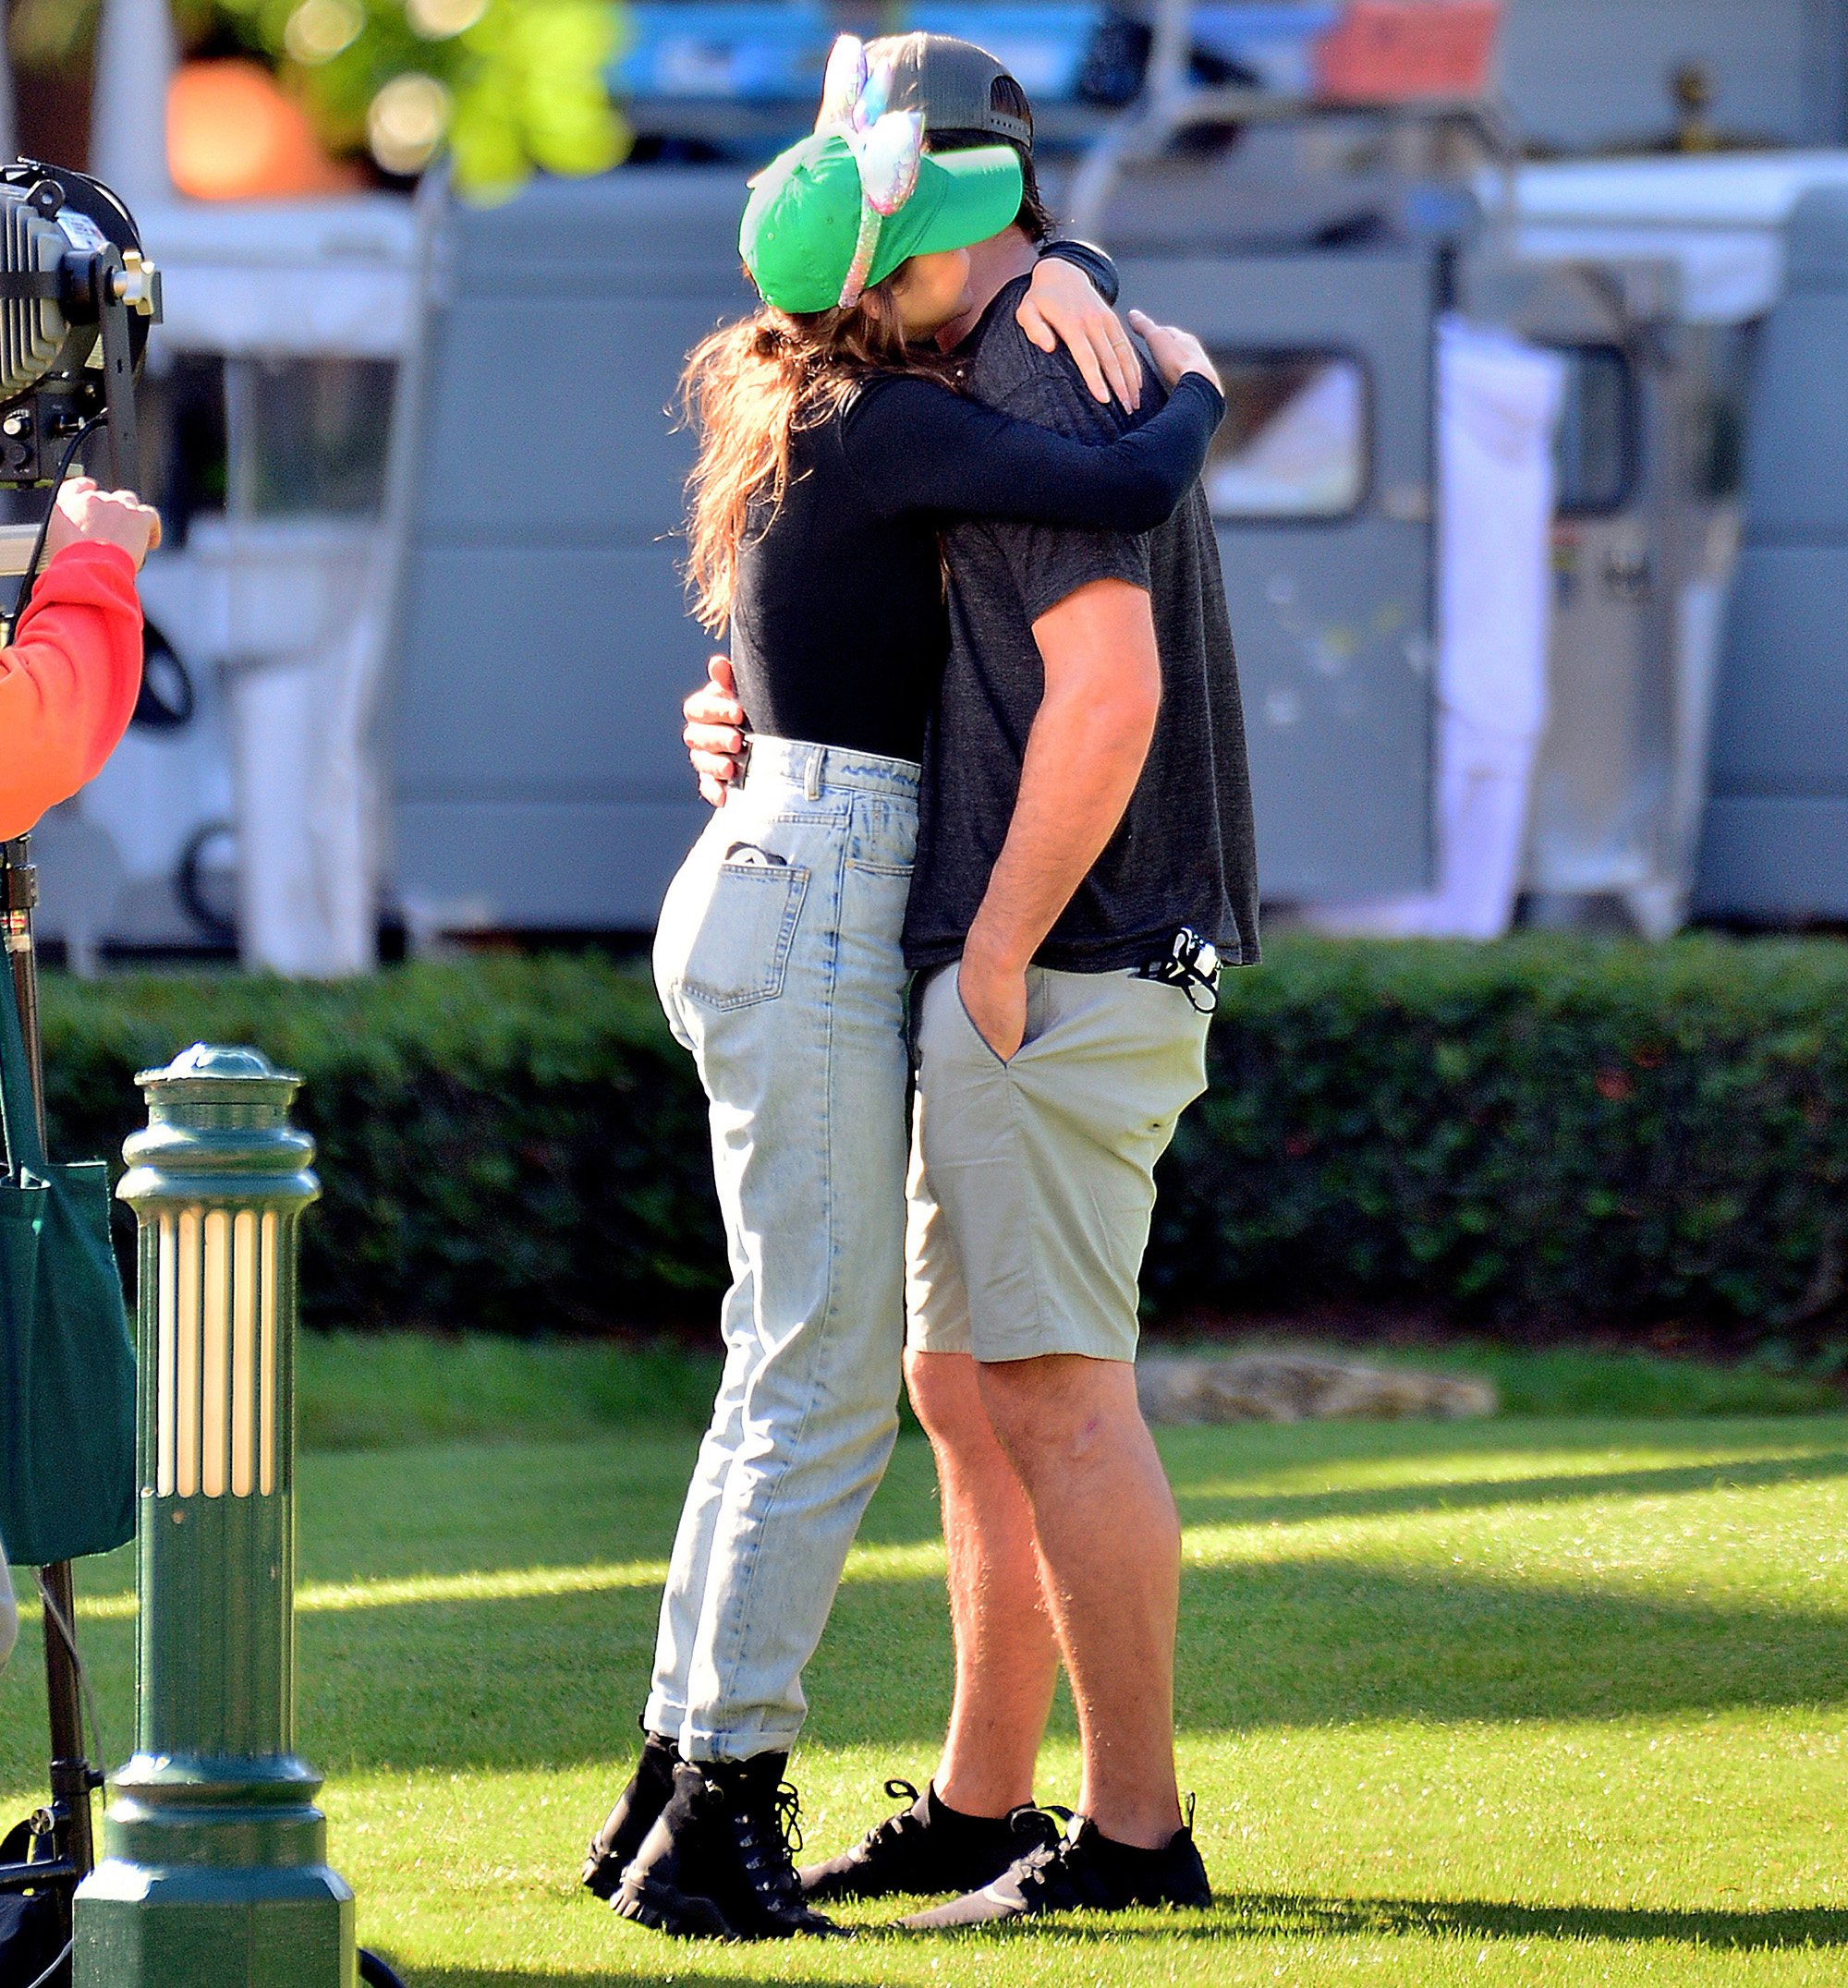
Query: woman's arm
[69,680]
[1068,303]
[915,447]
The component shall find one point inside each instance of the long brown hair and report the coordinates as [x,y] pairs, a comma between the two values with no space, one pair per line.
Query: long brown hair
[747,390]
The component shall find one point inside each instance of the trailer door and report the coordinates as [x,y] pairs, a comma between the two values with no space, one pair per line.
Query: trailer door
[1320,484]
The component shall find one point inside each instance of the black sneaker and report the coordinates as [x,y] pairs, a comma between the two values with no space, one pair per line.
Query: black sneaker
[716,1864]
[1083,1871]
[621,1837]
[927,1847]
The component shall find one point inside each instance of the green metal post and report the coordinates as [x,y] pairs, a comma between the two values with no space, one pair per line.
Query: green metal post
[215,1872]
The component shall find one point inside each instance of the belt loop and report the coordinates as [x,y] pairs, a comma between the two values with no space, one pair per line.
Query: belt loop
[812,786]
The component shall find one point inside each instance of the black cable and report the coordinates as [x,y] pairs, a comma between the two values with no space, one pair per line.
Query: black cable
[68,1636]
[76,442]
[167,700]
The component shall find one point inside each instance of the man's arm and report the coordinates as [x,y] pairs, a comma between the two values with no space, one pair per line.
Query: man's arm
[1083,756]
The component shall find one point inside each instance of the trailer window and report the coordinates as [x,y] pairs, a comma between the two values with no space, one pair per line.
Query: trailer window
[1595,453]
[1294,442]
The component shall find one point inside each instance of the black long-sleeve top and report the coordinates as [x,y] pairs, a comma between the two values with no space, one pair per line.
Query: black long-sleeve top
[838,625]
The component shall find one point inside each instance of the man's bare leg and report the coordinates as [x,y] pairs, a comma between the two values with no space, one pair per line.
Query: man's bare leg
[1007,1659]
[1110,1536]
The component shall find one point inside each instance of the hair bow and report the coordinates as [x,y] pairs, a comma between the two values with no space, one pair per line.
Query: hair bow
[887,146]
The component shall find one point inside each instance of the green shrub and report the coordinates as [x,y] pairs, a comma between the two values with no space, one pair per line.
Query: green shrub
[1545,1128]
[1542,1127]
[511,1144]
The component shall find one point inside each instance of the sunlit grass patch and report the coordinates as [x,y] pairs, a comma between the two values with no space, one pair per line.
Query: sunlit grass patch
[1511,1702]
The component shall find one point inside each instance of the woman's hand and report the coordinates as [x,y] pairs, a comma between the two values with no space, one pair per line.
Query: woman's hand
[110,518]
[714,730]
[1174,351]
[1061,308]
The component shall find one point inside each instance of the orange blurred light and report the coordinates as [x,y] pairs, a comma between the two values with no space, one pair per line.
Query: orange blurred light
[232,135]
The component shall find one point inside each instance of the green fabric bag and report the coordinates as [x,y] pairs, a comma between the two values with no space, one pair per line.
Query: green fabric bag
[66,1363]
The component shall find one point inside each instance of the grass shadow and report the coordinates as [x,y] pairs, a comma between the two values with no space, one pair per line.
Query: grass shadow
[553,1681]
[1782,1927]
[1290,1507]
[1305,1642]
[378,1516]
[1287,1915]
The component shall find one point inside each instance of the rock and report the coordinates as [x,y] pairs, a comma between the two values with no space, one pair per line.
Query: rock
[1299,1387]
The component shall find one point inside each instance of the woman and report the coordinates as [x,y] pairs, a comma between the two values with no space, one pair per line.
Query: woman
[832,440]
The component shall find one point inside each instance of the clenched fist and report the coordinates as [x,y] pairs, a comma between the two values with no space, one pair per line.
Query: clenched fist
[110,518]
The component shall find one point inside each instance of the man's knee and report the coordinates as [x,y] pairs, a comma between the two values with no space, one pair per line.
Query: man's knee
[1059,1409]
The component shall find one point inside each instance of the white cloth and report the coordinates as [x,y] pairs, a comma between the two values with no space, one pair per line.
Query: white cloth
[289,607]
[1498,404]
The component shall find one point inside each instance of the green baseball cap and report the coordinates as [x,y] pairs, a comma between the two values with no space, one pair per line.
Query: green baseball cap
[803,218]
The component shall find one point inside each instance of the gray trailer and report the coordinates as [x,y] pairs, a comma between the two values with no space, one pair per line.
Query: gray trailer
[1776,845]
[513,687]
[1315,254]
[537,776]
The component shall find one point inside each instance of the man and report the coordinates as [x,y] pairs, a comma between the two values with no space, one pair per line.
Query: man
[1086,827]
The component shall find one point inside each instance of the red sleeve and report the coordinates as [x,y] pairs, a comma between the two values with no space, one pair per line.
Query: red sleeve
[68,683]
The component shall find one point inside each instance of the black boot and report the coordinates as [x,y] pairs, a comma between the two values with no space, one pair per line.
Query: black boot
[716,1864]
[646,1796]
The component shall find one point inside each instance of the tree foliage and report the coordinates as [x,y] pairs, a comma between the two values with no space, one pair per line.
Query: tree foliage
[506,86]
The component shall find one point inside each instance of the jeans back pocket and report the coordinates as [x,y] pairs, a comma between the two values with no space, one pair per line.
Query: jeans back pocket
[739,948]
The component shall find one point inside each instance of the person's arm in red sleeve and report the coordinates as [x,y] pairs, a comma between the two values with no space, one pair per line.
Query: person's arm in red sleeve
[69,681]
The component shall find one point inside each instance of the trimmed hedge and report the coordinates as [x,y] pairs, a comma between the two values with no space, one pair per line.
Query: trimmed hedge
[1603,1134]
[1606,1132]
[517,1144]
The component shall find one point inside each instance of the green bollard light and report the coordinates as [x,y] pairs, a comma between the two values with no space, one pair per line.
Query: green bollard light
[215,1872]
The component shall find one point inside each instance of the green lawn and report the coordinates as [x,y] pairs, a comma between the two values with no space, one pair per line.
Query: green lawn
[1521,1702]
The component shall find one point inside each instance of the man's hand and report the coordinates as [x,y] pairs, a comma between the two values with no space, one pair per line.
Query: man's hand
[1060,307]
[83,513]
[994,997]
[714,730]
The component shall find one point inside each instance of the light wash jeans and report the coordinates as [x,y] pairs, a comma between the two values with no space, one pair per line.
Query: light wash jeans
[778,962]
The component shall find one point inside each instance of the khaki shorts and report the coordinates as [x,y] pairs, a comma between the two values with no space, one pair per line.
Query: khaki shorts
[1032,1181]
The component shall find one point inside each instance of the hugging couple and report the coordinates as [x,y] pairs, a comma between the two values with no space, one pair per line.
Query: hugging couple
[946,957]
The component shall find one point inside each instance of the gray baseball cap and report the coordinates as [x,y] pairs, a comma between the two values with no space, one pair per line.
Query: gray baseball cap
[952,83]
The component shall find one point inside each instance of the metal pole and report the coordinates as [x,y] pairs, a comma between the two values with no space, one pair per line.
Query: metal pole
[215,1872]
[72,1776]
[22,895]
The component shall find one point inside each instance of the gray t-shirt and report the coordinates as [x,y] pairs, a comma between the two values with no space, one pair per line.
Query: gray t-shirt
[1184,853]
